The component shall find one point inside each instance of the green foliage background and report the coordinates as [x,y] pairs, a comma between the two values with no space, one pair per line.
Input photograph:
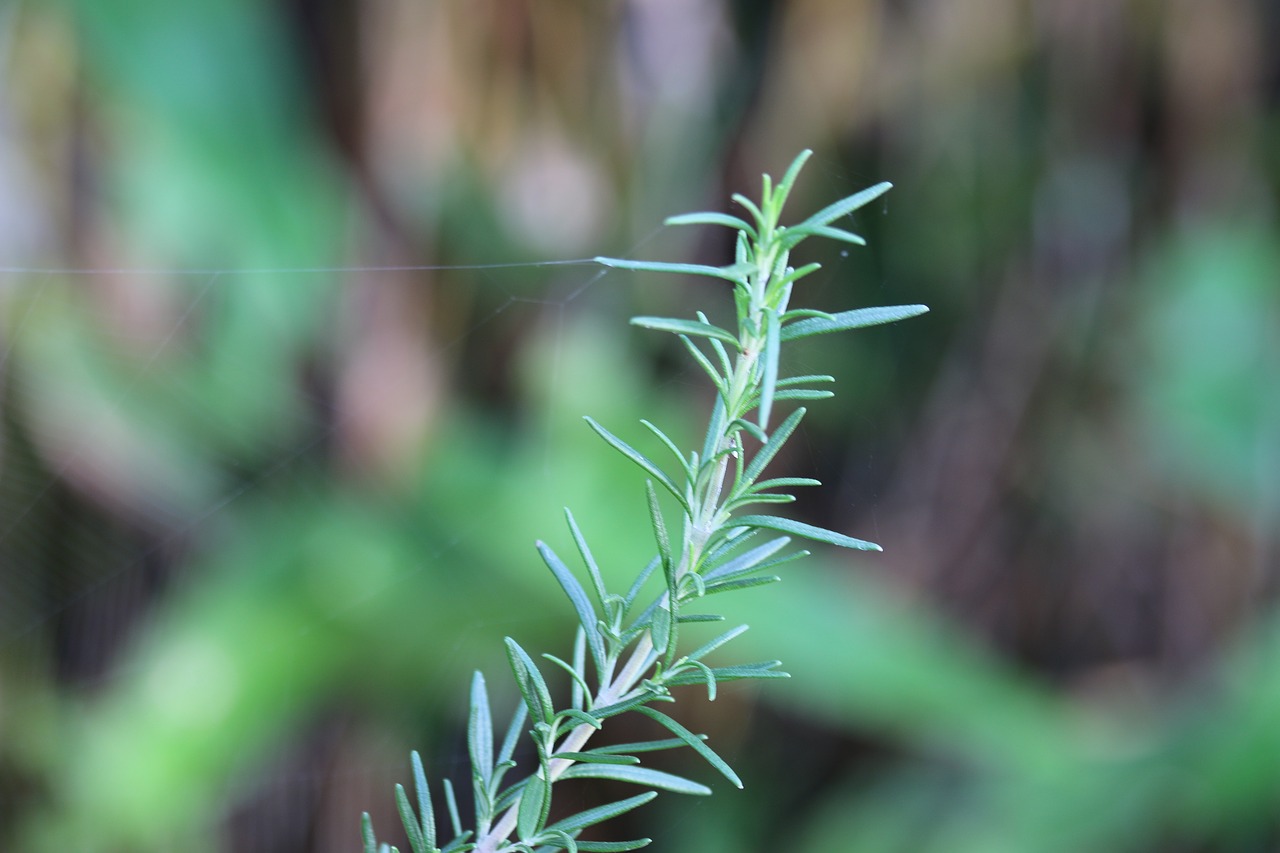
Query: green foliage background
[257,526]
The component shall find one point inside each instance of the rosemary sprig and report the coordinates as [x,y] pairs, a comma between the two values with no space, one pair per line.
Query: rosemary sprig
[627,657]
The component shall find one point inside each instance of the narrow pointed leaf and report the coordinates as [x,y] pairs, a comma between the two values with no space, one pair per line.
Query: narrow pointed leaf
[660,629]
[670,445]
[641,746]
[788,179]
[732,673]
[711,219]
[580,718]
[599,758]
[412,828]
[770,449]
[808,531]
[730,273]
[613,846]
[366,834]
[593,569]
[451,801]
[685,327]
[845,206]
[532,686]
[705,364]
[802,394]
[646,776]
[640,459]
[798,233]
[660,536]
[606,711]
[838,234]
[855,319]
[795,275]
[785,483]
[535,802]
[574,673]
[587,617]
[425,812]
[743,583]
[805,380]
[599,814]
[640,581]
[480,732]
[750,205]
[744,570]
[719,641]
[694,742]
[518,718]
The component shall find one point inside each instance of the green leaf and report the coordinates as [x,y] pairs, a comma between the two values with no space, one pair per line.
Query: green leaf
[512,736]
[784,186]
[535,803]
[587,617]
[599,814]
[742,583]
[598,758]
[804,314]
[412,828]
[808,531]
[770,449]
[731,572]
[640,459]
[480,734]
[459,844]
[579,682]
[637,775]
[641,746]
[623,706]
[804,380]
[532,686]
[845,206]
[660,629]
[802,394]
[750,498]
[670,445]
[694,742]
[733,272]
[711,219]
[640,581]
[700,617]
[660,536]
[855,319]
[451,801]
[742,672]
[613,846]
[719,641]
[686,327]
[794,275]
[425,812]
[593,569]
[705,363]
[838,234]
[366,834]
[750,205]
[796,234]
[581,717]
[785,483]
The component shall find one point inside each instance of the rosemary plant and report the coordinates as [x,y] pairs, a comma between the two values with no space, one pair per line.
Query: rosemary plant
[627,655]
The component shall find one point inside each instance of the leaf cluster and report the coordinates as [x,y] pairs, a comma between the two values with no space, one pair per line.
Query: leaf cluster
[627,653]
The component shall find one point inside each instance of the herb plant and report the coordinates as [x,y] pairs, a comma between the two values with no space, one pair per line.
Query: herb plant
[627,655]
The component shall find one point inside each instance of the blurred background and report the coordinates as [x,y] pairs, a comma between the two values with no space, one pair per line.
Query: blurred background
[288,389]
